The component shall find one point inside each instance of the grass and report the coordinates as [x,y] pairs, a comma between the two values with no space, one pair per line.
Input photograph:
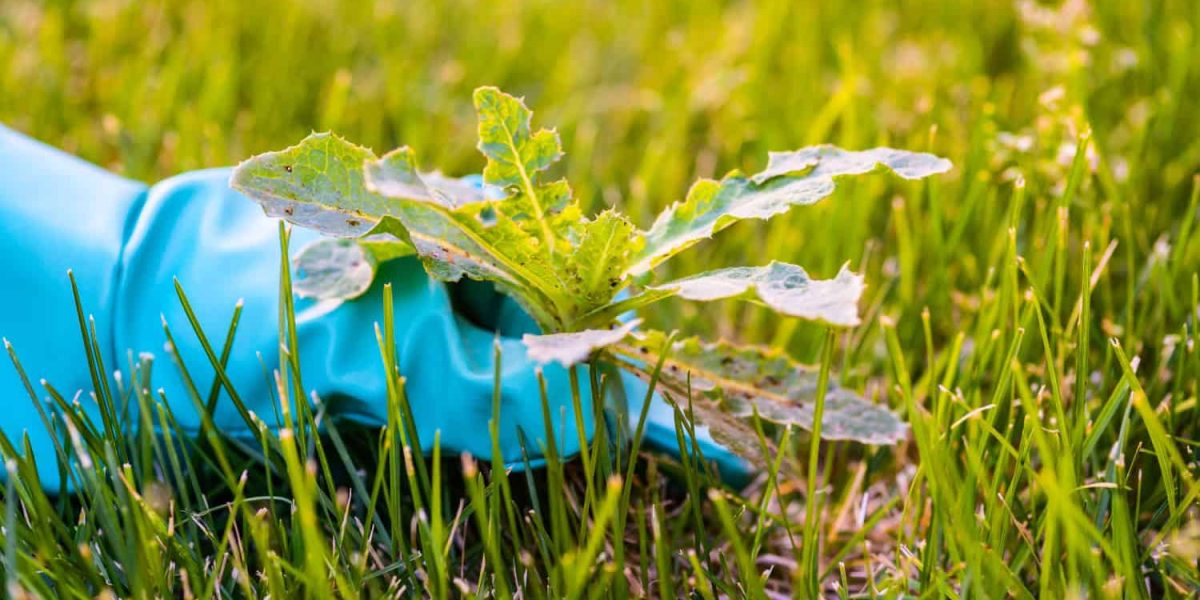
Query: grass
[1033,315]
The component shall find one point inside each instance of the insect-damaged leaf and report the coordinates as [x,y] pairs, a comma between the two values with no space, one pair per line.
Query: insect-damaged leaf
[342,269]
[319,184]
[557,264]
[733,432]
[791,179]
[741,380]
[516,157]
[784,287]
[514,152]
[575,347]
[595,268]
[454,240]
[830,161]
[395,175]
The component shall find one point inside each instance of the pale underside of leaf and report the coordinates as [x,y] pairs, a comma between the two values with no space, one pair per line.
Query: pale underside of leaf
[452,245]
[333,269]
[783,287]
[342,269]
[742,380]
[791,179]
[317,184]
[454,239]
[831,161]
[395,175]
[448,235]
[448,247]
[575,347]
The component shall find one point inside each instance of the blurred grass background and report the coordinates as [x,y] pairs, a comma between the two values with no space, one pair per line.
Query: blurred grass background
[1094,107]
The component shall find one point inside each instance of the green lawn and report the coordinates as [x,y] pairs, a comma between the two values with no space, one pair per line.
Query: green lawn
[1032,314]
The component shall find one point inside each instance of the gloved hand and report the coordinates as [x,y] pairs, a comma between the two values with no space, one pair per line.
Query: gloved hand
[126,242]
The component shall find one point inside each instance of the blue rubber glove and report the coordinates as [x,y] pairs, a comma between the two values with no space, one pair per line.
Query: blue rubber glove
[125,243]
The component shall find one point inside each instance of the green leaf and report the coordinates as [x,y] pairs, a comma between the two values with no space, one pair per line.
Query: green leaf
[783,287]
[453,244]
[342,269]
[453,240]
[333,269]
[596,267]
[575,347]
[791,179]
[608,312]
[557,264]
[395,175]
[740,380]
[317,184]
[516,155]
[385,248]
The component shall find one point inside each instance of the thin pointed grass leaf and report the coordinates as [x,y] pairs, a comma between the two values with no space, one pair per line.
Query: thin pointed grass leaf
[212,357]
[791,179]
[738,381]
[51,430]
[784,287]
[214,389]
[575,347]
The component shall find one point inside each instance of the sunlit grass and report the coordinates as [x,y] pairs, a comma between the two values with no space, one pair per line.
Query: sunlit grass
[1032,314]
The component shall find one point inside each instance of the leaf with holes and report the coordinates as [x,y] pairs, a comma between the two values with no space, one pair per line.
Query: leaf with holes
[319,184]
[516,155]
[457,236]
[524,231]
[502,239]
[791,179]
[594,270]
[745,379]
[784,287]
